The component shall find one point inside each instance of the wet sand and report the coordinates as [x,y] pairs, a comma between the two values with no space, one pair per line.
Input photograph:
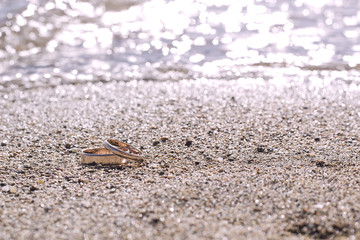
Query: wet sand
[226,160]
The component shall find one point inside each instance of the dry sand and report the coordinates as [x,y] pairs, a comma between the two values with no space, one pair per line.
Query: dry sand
[227,160]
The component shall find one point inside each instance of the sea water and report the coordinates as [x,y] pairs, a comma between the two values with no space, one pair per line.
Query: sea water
[52,42]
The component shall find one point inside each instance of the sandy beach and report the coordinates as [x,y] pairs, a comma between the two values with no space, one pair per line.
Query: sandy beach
[225,160]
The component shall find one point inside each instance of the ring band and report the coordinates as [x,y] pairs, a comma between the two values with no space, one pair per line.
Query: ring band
[123,149]
[100,155]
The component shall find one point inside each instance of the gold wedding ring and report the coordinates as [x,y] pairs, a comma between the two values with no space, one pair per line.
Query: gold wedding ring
[115,152]
[101,155]
[123,150]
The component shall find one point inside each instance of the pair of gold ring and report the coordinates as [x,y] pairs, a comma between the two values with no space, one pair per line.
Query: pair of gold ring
[115,152]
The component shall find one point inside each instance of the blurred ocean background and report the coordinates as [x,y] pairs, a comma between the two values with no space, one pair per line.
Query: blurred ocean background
[47,43]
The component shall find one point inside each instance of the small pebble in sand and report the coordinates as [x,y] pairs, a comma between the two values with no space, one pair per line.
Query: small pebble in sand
[320,163]
[164,139]
[74,150]
[12,189]
[33,188]
[260,149]
[86,204]
[188,143]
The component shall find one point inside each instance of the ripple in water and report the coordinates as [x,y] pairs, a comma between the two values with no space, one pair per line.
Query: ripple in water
[44,43]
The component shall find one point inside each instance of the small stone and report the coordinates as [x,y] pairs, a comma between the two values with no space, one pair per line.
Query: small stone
[153,165]
[154,221]
[220,159]
[33,188]
[320,163]
[312,154]
[74,150]
[260,149]
[81,180]
[27,166]
[317,139]
[4,143]
[5,188]
[188,143]
[67,145]
[164,139]
[12,189]
[156,143]
[86,204]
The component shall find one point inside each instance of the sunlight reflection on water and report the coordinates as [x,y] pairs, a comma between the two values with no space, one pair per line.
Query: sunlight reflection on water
[64,41]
